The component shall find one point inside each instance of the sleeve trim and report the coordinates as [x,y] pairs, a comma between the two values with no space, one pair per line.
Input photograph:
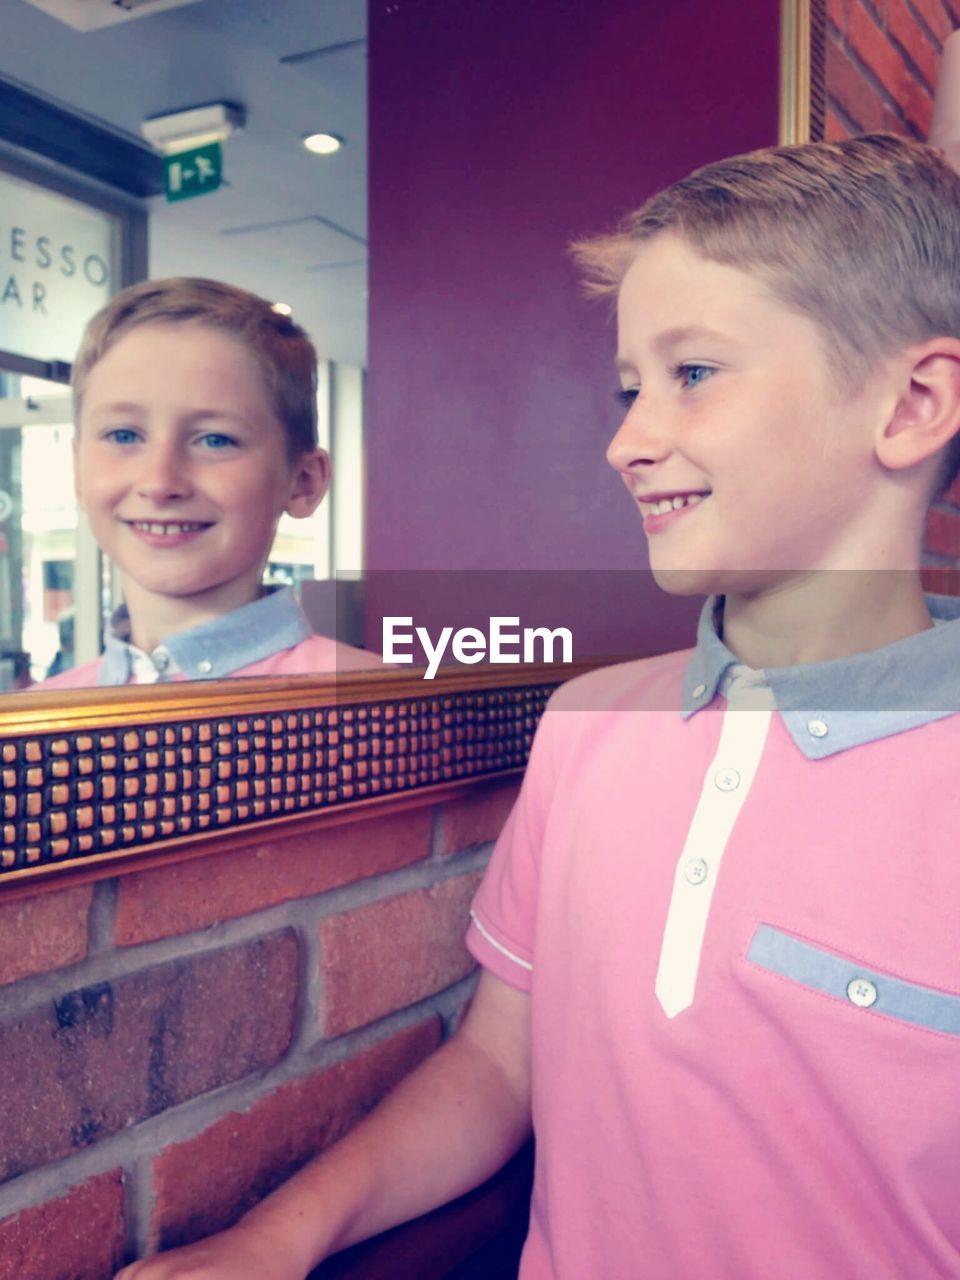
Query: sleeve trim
[498,946]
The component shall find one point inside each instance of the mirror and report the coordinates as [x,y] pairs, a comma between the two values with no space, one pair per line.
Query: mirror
[285,224]
[487,411]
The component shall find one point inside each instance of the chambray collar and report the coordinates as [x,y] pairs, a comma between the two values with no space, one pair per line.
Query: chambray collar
[213,649]
[831,706]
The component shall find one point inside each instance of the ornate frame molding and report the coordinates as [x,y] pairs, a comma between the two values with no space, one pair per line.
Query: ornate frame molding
[101,784]
[795,71]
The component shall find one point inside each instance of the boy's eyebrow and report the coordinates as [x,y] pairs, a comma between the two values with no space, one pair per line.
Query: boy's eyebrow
[132,406]
[685,332]
[118,406]
[673,337]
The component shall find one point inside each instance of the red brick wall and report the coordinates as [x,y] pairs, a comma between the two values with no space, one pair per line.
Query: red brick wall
[881,72]
[176,1042]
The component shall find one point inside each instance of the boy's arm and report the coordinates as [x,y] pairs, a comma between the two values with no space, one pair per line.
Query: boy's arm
[448,1126]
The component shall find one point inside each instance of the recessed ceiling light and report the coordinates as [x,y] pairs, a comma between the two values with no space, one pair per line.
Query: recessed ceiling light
[282,308]
[322,144]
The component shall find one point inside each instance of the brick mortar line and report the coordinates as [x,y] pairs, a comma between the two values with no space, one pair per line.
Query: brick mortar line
[844,46]
[120,962]
[450,1018]
[921,22]
[848,122]
[138,1202]
[101,918]
[419,875]
[909,63]
[312,989]
[882,26]
[134,1149]
[316,911]
[872,79]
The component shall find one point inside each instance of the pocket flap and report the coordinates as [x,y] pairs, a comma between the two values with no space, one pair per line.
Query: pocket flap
[845,979]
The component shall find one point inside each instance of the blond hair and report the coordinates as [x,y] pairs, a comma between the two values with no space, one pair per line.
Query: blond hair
[285,355]
[861,236]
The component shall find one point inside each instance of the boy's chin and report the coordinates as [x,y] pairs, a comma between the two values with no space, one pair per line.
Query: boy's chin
[686,582]
[716,581]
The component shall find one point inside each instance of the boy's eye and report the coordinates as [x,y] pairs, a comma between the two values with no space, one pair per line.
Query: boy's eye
[692,375]
[122,435]
[625,396]
[216,440]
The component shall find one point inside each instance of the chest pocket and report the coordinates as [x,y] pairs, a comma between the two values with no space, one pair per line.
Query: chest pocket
[870,990]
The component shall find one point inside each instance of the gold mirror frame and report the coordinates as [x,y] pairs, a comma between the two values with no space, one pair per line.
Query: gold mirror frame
[148,775]
[94,782]
[802,70]
[794,71]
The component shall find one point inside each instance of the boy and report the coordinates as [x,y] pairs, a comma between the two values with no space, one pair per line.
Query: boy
[195,405]
[718,933]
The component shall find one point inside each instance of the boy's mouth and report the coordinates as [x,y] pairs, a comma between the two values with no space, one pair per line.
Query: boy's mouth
[167,528]
[168,533]
[660,504]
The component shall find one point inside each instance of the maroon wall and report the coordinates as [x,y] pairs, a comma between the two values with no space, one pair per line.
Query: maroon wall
[499,130]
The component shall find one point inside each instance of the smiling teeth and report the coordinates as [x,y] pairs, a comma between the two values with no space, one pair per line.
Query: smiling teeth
[167,527]
[670,504]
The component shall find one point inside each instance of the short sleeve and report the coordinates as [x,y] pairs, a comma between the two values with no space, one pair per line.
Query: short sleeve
[502,928]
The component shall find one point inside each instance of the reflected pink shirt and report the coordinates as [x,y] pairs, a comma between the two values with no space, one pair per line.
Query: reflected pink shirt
[269,637]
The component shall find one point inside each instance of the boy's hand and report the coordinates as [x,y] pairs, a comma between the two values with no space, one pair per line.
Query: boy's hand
[236,1254]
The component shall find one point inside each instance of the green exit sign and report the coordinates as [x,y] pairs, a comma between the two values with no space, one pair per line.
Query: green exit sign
[194,173]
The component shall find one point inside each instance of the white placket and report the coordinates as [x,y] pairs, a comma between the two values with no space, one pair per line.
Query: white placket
[726,786]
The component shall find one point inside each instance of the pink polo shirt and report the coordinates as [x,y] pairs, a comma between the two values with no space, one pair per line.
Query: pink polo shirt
[744,966]
[270,636]
[315,655]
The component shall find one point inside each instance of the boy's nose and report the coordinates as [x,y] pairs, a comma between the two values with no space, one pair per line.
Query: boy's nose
[163,475]
[637,442]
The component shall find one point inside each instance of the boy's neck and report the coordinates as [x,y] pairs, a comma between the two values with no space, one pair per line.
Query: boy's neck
[155,618]
[825,615]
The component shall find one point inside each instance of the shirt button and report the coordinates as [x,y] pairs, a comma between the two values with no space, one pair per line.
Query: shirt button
[161,659]
[696,871]
[204,666]
[699,691]
[861,992]
[817,729]
[726,780]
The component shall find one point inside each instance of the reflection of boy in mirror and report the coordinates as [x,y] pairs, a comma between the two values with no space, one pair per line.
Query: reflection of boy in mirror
[196,419]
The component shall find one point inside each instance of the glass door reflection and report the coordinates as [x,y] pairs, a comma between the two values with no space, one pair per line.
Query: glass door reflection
[51,581]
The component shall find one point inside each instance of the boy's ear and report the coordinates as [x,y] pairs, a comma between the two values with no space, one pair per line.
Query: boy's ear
[927,412]
[310,481]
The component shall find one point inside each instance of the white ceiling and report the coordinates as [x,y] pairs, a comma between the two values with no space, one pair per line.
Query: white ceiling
[290,226]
